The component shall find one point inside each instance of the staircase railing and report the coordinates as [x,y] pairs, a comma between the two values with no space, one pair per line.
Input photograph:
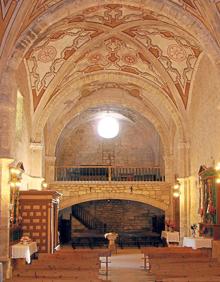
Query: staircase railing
[89,220]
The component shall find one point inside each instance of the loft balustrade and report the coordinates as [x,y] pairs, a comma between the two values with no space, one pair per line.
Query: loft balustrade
[108,173]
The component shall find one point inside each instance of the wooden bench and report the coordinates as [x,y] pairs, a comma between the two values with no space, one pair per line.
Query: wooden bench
[64,266]
[181,264]
[167,252]
[185,270]
[209,278]
[78,256]
[57,275]
[24,279]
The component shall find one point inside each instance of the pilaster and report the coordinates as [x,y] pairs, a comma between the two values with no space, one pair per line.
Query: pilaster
[36,171]
[4,211]
[7,114]
[50,168]
[170,178]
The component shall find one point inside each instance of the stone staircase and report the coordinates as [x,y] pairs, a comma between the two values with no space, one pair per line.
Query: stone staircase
[88,220]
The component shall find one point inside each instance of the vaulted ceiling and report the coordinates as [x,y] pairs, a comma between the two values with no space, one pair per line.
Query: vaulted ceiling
[148,50]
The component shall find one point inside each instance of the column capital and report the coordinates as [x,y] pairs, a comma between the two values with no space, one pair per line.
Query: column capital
[50,158]
[36,146]
[6,161]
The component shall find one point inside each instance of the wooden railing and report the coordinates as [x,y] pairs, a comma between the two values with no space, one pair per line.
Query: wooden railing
[108,173]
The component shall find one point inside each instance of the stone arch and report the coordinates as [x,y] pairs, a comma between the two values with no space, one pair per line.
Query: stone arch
[159,125]
[121,196]
[176,116]
[41,119]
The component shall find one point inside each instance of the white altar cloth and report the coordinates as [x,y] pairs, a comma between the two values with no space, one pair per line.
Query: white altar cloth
[196,243]
[171,237]
[24,251]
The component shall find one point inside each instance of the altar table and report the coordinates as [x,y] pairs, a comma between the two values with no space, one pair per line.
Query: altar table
[24,251]
[196,243]
[171,237]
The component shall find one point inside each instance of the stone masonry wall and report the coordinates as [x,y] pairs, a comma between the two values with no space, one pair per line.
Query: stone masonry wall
[132,147]
[121,215]
[156,194]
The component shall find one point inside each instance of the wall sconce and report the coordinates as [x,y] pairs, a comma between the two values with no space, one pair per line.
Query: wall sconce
[176,189]
[44,184]
[15,185]
[15,177]
[217,168]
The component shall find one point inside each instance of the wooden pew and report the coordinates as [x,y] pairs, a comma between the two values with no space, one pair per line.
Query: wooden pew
[23,279]
[181,265]
[167,252]
[64,266]
[79,255]
[185,269]
[209,278]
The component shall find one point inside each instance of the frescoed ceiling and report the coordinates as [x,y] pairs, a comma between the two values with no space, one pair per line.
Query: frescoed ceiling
[111,38]
[139,42]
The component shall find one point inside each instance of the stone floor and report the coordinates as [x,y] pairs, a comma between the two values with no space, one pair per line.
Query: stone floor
[127,266]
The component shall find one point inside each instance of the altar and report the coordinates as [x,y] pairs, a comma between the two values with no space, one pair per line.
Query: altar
[24,251]
[196,243]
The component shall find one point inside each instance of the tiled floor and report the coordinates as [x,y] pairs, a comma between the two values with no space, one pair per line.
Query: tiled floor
[127,266]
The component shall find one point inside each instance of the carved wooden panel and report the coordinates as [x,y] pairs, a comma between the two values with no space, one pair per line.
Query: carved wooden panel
[35,222]
[39,218]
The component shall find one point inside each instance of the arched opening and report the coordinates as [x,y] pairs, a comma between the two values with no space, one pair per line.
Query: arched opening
[137,224]
[135,154]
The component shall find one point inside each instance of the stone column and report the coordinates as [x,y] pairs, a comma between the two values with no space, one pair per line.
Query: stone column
[183,159]
[4,212]
[170,178]
[169,169]
[183,207]
[188,205]
[50,168]
[36,166]
[185,188]
[8,96]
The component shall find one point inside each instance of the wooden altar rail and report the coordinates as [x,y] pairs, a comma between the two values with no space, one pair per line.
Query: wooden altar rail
[108,173]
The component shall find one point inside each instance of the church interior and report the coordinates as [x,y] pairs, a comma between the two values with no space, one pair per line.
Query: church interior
[109,141]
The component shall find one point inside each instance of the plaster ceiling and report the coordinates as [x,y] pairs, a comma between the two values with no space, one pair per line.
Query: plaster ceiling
[122,41]
[113,38]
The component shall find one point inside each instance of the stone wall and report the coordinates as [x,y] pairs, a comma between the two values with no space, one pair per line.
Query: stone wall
[24,122]
[156,194]
[122,216]
[203,125]
[133,146]
[204,119]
